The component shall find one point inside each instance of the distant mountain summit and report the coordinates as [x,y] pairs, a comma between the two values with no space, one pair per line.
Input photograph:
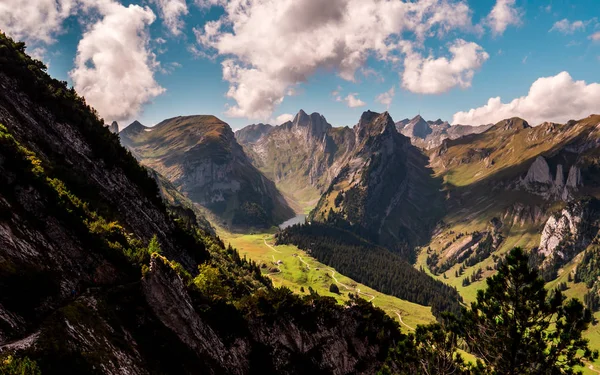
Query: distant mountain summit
[430,134]
[301,156]
[114,127]
[200,156]
[252,133]
[384,190]
[415,128]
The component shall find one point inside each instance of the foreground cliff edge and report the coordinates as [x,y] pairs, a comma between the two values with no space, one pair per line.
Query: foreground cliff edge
[98,277]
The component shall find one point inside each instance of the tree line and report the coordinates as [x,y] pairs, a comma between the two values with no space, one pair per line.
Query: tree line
[371,265]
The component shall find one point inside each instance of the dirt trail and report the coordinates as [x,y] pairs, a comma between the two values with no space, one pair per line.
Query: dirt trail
[272,248]
[350,288]
[402,322]
[302,260]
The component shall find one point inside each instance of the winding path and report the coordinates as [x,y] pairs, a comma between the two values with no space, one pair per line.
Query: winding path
[591,367]
[365,294]
[401,321]
[302,260]
[272,248]
[349,288]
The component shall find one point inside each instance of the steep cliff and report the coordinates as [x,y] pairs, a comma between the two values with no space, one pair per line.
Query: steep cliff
[200,156]
[98,278]
[384,190]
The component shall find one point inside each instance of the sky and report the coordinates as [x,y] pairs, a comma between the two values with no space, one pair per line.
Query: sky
[249,61]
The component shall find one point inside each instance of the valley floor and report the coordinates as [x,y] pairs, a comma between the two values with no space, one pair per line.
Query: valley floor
[288,266]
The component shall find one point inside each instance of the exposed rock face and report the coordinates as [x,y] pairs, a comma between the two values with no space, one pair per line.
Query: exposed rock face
[384,190]
[301,156]
[252,133]
[557,228]
[539,172]
[568,232]
[114,127]
[539,180]
[416,128]
[200,156]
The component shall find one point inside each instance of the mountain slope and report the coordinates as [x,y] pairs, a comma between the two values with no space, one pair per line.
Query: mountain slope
[301,156]
[97,277]
[200,156]
[384,191]
[515,184]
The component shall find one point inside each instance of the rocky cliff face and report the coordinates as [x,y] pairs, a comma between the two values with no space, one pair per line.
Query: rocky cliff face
[200,156]
[569,231]
[84,288]
[539,180]
[384,191]
[302,156]
[252,133]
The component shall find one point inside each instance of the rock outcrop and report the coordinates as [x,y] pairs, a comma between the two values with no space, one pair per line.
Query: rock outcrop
[570,231]
[539,180]
[113,127]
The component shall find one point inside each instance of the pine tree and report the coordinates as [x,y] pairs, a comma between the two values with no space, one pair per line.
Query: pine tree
[515,327]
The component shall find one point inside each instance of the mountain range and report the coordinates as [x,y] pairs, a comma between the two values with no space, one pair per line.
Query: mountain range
[111,252]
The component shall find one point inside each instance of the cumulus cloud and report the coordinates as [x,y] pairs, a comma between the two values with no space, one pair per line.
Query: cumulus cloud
[564,26]
[171,12]
[114,68]
[503,14]
[272,45]
[386,97]
[595,36]
[35,21]
[428,75]
[353,101]
[558,98]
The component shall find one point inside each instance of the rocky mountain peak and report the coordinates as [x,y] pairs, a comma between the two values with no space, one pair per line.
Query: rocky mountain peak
[539,180]
[417,127]
[315,124]
[511,125]
[133,129]
[252,133]
[114,127]
[373,124]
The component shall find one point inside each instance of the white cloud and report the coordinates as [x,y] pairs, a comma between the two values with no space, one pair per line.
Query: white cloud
[386,97]
[171,12]
[434,76]
[272,45]
[114,68]
[353,101]
[558,98]
[35,21]
[503,14]
[564,26]
[595,36]
[284,118]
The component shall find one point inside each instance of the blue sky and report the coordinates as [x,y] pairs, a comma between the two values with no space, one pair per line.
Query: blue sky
[177,64]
